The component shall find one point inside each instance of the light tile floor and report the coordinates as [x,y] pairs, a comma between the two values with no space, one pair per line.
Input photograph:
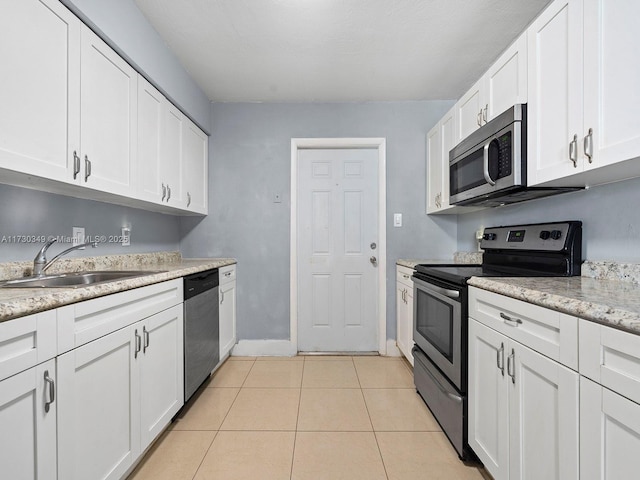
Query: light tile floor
[306,417]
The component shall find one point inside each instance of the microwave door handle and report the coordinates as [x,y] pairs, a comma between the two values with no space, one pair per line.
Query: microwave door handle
[486,165]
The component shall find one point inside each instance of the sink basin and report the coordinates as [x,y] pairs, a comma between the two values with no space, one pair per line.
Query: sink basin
[75,280]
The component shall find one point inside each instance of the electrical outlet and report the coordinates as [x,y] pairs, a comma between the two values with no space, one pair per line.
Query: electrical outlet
[479,234]
[277,198]
[77,237]
[126,236]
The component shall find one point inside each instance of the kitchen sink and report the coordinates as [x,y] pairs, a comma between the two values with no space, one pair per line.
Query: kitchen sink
[75,280]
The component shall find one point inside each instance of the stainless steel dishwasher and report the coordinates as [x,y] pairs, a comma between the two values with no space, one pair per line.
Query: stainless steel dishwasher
[201,329]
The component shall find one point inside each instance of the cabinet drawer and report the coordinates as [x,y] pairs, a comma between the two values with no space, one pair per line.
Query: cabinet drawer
[26,342]
[227,274]
[86,321]
[548,332]
[403,275]
[610,357]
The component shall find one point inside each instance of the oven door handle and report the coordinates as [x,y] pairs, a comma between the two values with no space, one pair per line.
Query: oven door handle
[452,396]
[442,291]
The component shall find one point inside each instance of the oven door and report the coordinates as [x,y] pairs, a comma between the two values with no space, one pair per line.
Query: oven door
[437,330]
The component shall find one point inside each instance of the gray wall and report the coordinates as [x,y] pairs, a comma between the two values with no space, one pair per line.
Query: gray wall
[610,215]
[127,30]
[250,161]
[29,212]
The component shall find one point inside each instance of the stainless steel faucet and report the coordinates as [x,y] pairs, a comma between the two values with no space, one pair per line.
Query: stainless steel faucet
[40,263]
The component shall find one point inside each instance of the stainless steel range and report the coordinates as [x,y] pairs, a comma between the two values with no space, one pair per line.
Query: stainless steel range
[440,310]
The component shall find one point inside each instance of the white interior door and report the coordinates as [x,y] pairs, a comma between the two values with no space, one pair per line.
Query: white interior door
[337,227]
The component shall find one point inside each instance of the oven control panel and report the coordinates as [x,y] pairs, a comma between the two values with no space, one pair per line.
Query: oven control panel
[550,237]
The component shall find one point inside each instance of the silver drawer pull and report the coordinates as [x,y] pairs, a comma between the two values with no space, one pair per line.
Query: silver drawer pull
[510,321]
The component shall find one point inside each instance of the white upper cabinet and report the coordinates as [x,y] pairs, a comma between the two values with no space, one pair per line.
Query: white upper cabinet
[435,165]
[583,93]
[195,168]
[506,79]
[172,171]
[150,137]
[502,86]
[611,80]
[40,100]
[554,113]
[108,117]
[469,111]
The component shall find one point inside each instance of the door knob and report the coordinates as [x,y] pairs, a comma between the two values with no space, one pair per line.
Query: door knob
[373,246]
[374,261]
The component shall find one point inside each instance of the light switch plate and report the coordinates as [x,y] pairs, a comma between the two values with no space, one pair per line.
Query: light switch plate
[277,198]
[77,237]
[397,219]
[126,236]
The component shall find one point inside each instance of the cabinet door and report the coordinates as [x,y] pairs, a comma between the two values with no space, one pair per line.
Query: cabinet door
[506,79]
[447,142]
[555,92]
[402,321]
[469,110]
[149,140]
[611,79]
[434,169]
[161,371]
[609,434]
[98,410]
[40,58]
[488,398]
[195,160]
[108,118]
[28,440]
[543,411]
[172,174]
[227,317]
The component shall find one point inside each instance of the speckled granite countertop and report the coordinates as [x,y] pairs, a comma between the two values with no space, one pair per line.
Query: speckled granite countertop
[458,257]
[17,302]
[609,301]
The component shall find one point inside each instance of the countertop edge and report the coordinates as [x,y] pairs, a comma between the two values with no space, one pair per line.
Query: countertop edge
[41,300]
[620,318]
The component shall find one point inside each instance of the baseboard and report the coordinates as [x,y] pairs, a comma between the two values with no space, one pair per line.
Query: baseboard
[264,348]
[392,348]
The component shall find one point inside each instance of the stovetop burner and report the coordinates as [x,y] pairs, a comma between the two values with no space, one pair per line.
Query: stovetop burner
[538,250]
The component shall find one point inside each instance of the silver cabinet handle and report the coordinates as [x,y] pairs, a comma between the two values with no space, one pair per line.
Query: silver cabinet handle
[374,261]
[87,168]
[164,192]
[168,192]
[485,113]
[76,164]
[510,321]
[479,118]
[221,296]
[405,276]
[588,145]
[487,177]
[500,358]
[137,346]
[511,366]
[573,151]
[145,332]
[52,390]
[188,199]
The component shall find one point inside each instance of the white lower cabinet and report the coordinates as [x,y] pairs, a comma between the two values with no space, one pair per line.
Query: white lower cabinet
[523,406]
[404,311]
[609,434]
[116,394]
[227,309]
[28,424]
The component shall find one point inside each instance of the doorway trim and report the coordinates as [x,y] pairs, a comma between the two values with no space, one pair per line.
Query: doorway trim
[328,143]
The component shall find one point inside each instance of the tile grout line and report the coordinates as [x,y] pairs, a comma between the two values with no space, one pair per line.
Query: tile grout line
[295,433]
[218,431]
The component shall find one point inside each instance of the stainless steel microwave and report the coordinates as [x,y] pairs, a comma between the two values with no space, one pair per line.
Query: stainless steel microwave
[489,167]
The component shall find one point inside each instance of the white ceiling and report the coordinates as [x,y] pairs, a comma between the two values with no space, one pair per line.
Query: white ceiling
[337,50]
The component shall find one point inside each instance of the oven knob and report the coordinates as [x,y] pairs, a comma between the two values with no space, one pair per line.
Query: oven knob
[556,234]
[545,234]
[489,236]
